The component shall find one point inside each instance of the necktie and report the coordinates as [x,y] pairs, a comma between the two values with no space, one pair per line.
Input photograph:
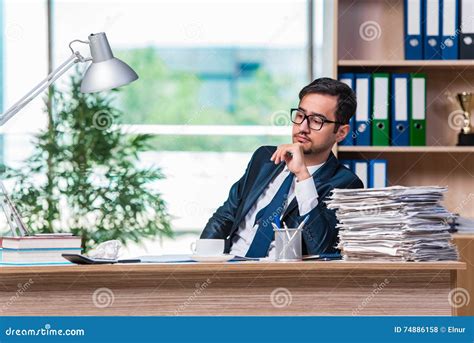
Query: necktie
[265,217]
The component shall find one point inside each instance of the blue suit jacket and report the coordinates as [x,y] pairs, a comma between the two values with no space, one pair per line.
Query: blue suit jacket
[319,234]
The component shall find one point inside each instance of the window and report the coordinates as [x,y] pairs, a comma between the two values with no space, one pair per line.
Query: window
[25,63]
[210,63]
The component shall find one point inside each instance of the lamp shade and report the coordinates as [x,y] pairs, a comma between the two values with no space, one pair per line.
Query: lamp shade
[105,72]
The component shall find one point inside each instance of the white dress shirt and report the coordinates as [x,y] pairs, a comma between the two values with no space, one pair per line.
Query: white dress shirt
[306,196]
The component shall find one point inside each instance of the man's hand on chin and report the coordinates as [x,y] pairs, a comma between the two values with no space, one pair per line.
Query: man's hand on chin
[292,155]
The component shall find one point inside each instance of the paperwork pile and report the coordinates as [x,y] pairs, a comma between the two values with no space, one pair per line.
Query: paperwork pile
[393,223]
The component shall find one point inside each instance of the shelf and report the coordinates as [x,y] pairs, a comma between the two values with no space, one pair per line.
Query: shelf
[420,64]
[412,149]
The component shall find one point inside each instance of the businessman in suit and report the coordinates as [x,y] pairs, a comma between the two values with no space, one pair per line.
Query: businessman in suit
[292,181]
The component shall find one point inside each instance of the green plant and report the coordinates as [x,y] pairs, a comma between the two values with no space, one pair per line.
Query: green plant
[83,176]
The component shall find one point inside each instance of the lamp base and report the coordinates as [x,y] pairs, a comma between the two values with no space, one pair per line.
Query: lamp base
[466,139]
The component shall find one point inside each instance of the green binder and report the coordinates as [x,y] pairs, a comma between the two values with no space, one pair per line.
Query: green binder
[380,109]
[417,113]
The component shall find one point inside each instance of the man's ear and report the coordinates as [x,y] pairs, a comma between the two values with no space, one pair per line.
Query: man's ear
[342,132]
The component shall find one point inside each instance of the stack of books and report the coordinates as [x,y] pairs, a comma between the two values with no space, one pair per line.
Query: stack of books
[38,249]
[393,223]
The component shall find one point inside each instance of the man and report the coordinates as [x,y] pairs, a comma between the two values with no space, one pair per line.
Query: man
[292,181]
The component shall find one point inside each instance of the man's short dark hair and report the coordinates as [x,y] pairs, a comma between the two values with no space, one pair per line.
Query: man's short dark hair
[346,99]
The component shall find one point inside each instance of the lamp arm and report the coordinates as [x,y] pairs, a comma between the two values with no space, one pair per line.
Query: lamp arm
[13,217]
[41,86]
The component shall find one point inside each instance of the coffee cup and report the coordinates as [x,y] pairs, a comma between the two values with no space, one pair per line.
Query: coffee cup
[208,247]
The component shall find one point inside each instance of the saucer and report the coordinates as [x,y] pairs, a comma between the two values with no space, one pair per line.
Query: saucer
[212,258]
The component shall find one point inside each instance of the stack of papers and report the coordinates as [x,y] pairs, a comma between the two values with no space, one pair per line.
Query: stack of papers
[393,223]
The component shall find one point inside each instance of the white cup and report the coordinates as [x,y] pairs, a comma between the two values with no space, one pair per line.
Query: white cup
[208,247]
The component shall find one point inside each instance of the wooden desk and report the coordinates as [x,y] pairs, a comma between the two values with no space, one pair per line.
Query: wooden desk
[244,288]
[465,278]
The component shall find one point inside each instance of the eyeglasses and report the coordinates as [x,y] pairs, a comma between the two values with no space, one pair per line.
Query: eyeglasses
[315,121]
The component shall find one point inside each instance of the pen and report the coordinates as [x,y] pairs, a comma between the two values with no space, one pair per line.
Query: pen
[303,222]
[287,232]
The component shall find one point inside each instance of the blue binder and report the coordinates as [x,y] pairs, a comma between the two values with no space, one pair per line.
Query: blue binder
[449,29]
[400,125]
[363,118]
[432,44]
[413,29]
[348,79]
[361,169]
[377,173]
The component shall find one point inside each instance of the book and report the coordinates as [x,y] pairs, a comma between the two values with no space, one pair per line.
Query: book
[41,241]
[34,256]
[38,249]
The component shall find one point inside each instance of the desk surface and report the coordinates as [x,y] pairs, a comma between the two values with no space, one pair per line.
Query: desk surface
[463,235]
[233,266]
[236,288]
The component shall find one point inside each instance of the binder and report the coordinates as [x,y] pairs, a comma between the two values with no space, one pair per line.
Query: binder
[466,39]
[348,164]
[449,29]
[362,116]
[432,48]
[380,97]
[361,169]
[377,173]
[417,109]
[348,79]
[399,110]
[413,29]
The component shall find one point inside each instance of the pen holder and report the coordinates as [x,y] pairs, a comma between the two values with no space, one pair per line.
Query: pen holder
[288,244]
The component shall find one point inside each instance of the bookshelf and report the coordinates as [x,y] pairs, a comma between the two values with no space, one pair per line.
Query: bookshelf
[407,64]
[369,38]
[408,149]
